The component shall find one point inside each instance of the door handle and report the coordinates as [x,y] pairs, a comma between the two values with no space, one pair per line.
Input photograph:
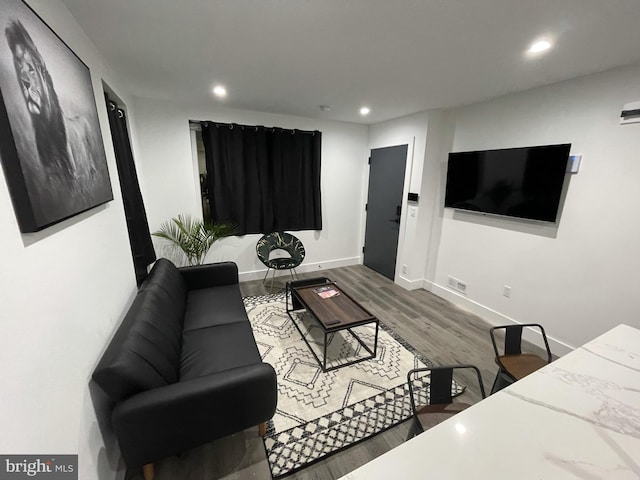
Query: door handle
[398,214]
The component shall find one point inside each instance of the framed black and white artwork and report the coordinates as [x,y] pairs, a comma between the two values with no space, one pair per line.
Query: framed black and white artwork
[51,145]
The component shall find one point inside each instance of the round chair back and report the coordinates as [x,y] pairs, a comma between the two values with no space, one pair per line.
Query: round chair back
[280,241]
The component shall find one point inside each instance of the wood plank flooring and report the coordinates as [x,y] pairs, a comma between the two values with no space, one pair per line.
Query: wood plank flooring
[438,329]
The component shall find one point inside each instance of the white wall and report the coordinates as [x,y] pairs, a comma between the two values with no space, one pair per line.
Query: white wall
[168,180]
[62,292]
[410,130]
[580,278]
[429,135]
[429,231]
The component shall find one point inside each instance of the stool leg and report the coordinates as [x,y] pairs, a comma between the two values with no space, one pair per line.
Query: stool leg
[411,433]
[500,382]
[148,471]
[495,383]
[414,429]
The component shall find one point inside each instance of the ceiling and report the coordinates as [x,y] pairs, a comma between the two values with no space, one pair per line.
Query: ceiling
[396,57]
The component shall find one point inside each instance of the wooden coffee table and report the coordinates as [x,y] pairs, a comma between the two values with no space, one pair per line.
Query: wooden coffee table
[334,311]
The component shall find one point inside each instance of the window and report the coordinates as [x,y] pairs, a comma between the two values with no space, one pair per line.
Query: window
[262,179]
[202,175]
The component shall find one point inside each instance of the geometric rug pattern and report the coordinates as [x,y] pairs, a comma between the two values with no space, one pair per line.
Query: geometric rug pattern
[320,413]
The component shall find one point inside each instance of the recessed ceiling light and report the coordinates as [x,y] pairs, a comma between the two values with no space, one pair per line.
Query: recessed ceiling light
[539,46]
[219,91]
[365,111]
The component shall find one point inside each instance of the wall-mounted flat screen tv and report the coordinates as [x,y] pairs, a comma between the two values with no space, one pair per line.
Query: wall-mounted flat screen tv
[516,182]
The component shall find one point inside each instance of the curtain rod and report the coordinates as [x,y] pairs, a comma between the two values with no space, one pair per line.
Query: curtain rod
[256,127]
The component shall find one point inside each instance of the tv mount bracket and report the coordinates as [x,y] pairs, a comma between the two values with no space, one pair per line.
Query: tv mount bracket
[630,113]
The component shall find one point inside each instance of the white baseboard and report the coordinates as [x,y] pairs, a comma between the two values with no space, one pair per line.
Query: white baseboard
[409,284]
[495,318]
[304,268]
[427,285]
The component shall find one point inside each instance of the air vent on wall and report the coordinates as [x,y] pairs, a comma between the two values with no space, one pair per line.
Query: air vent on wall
[458,285]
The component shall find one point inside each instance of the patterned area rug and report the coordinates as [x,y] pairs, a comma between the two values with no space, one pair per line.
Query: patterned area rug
[320,413]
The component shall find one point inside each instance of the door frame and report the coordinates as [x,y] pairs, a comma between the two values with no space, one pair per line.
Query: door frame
[409,141]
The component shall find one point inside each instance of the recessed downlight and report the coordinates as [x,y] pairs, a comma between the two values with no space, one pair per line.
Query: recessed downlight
[365,111]
[539,46]
[219,91]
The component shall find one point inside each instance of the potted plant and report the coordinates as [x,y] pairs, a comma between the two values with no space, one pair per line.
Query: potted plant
[193,237]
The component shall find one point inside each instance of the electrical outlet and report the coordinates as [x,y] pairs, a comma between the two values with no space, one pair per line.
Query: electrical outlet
[507,291]
[404,269]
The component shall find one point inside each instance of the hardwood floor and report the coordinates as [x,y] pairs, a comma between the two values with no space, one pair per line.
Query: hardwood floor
[441,331]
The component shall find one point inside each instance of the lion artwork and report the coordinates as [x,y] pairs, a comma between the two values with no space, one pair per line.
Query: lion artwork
[41,100]
[68,174]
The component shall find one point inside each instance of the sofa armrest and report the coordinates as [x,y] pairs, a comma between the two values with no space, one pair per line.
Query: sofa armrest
[165,421]
[210,275]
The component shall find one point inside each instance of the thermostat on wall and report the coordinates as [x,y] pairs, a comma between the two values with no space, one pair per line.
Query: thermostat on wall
[573,165]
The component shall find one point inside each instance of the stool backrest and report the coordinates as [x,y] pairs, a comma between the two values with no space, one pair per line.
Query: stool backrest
[440,383]
[513,339]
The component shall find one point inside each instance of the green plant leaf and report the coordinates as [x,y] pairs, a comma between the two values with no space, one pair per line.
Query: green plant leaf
[193,237]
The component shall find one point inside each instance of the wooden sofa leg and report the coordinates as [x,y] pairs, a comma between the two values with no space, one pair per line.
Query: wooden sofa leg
[147,471]
[262,429]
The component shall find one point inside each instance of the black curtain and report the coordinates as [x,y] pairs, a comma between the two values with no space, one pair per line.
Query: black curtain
[263,179]
[136,216]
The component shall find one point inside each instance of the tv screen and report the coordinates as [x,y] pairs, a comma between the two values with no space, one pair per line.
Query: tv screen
[517,182]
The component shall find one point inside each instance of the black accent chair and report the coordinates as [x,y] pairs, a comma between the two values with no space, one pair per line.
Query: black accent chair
[183,368]
[432,400]
[512,363]
[280,241]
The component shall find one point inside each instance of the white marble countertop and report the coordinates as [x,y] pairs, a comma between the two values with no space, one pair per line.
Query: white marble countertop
[578,417]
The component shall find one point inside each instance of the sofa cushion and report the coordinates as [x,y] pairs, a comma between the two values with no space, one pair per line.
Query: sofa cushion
[216,349]
[210,307]
[166,277]
[145,350]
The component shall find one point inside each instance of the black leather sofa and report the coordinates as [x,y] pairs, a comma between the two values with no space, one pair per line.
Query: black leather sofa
[183,368]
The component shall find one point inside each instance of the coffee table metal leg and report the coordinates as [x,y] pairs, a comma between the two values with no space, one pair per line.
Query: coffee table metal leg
[324,364]
[373,352]
[305,340]
[360,341]
[375,341]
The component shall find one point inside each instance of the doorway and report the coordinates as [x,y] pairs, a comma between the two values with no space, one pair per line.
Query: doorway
[384,208]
